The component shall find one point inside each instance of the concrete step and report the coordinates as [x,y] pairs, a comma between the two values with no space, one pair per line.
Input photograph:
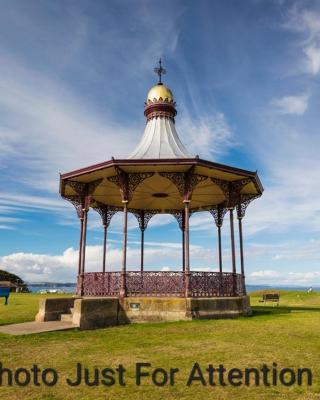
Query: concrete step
[66,317]
[72,310]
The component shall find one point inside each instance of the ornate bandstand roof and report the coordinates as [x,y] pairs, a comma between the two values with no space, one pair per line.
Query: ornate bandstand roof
[160,138]
[160,172]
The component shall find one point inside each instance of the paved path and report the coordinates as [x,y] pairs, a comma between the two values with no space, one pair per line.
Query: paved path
[27,328]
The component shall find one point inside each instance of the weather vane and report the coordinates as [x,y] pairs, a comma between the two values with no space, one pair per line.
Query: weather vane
[160,71]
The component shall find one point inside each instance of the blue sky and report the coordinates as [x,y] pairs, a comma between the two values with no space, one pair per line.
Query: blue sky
[73,79]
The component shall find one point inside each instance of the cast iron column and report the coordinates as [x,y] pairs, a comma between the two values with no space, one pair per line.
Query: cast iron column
[80,276]
[124,250]
[183,241]
[220,249]
[241,254]
[233,253]
[186,247]
[83,247]
[104,247]
[142,249]
[80,244]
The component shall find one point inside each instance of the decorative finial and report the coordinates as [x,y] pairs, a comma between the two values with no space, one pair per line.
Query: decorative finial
[160,71]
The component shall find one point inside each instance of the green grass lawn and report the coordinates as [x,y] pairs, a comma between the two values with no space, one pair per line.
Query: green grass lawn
[288,335]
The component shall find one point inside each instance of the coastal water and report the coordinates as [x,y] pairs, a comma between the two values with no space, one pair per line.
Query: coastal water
[56,288]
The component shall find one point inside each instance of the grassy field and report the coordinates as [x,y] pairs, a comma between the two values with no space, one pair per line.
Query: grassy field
[288,335]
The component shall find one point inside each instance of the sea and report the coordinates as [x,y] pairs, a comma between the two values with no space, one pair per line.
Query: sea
[52,287]
[71,287]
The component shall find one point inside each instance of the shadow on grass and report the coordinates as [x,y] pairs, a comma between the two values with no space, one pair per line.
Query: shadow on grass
[265,310]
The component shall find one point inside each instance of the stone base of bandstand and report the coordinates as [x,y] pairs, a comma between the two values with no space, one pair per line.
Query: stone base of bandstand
[101,312]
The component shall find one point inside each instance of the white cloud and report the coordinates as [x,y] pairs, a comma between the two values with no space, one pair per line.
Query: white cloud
[291,104]
[303,20]
[31,202]
[313,54]
[265,274]
[51,124]
[208,136]
[285,278]
[62,268]
[7,227]
[306,22]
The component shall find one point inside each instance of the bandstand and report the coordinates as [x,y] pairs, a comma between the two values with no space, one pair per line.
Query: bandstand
[160,176]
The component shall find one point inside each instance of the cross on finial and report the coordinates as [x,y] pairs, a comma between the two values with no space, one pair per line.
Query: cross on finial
[160,71]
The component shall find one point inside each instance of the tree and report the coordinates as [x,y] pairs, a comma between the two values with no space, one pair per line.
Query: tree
[8,276]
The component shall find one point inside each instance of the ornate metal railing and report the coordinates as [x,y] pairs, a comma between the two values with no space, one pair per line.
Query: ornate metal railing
[162,284]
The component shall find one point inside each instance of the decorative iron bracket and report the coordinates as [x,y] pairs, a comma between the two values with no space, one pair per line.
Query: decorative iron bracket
[218,214]
[81,201]
[179,215]
[84,189]
[78,204]
[106,212]
[231,190]
[128,182]
[185,182]
[245,200]
[191,180]
[143,217]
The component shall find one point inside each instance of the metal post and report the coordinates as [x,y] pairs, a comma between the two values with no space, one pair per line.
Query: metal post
[220,249]
[104,248]
[80,245]
[124,250]
[142,249]
[183,251]
[241,255]
[84,240]
[183,241]
[233,251]
[186,247]
[83,249]
[220,262]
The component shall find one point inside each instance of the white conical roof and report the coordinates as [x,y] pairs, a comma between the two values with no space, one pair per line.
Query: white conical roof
[160,140]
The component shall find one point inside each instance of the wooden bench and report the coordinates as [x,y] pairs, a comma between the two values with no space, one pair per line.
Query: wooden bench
[5,292]
[270,296]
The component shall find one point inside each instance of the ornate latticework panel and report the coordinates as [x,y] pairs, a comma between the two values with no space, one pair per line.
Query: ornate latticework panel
[163,283]
[155,284]
[240,285]
[213,284]
[101,283]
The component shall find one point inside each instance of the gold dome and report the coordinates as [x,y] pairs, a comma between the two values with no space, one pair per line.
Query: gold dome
[158,91]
